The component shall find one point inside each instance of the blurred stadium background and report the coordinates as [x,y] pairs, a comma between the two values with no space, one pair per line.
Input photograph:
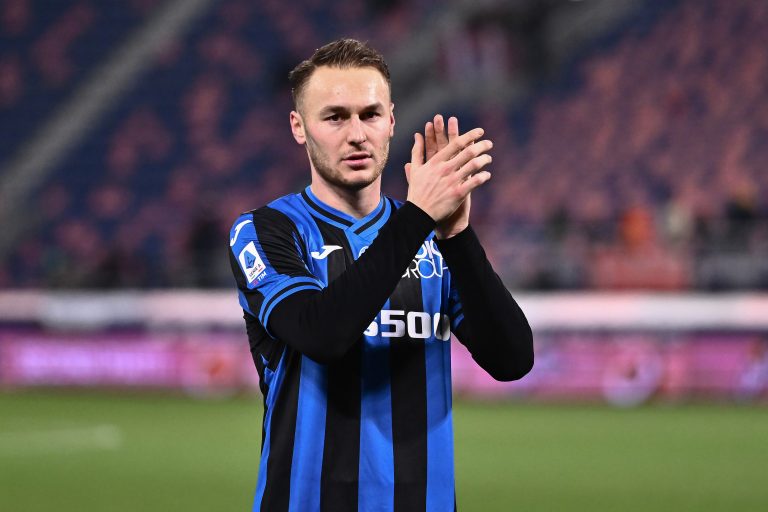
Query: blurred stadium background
[628,214]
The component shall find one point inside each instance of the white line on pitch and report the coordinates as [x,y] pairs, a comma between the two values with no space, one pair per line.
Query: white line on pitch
[61,440]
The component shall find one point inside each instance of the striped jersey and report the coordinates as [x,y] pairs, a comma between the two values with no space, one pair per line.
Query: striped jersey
[371,430]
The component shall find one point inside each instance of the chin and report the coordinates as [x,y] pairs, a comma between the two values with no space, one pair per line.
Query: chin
[357,184]
[358,180]
[349,179]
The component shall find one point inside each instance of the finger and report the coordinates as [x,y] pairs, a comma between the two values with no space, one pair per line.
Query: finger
[408,172]
[459,143]
[417,151]
[474,166]
[474,182]
[440,135]
[431,141]
[471,152]
[453,128]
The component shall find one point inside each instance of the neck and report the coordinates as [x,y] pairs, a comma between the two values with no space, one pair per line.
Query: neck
[357,203]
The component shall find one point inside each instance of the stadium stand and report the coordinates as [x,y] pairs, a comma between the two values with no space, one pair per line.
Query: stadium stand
[648,170]
[124,209]
[640,166]
[47,48]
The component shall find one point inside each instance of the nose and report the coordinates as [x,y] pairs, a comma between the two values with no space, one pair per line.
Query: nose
[356,134]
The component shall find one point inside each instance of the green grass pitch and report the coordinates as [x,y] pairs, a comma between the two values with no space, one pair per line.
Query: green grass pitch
[69,451]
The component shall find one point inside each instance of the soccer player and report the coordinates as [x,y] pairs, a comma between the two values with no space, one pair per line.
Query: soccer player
[350,298]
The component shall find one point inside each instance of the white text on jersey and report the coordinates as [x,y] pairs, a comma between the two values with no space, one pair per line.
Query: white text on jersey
[427,263]
[396,323]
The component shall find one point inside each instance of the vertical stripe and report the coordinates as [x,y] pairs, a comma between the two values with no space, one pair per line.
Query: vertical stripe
[341,451]
[377,465]
[307,464]
[440,482]
[272,413]
[339,485]
[309,441]
[441,488]
[266,439]
[283,420]
[409,405]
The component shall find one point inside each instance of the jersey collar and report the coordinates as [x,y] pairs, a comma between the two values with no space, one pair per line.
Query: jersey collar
[342,220]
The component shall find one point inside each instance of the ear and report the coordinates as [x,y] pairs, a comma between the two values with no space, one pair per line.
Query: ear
[297,127]
[391,120]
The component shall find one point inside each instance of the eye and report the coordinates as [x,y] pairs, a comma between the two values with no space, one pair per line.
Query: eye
[333,118]
[371,115]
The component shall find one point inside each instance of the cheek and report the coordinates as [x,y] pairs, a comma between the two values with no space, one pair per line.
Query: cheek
[383,133]
[321,142]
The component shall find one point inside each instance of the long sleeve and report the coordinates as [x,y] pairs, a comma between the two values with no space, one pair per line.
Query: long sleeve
[324,324]
[494,328]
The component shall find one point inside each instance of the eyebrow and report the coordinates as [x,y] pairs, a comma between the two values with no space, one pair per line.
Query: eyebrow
[336,109]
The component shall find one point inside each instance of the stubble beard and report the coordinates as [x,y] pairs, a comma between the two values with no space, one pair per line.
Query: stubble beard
[335,176]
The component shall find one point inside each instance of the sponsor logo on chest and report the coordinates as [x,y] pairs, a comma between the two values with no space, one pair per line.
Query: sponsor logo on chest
[427,263]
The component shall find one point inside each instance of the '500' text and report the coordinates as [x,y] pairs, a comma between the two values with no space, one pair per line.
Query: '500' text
[396,323]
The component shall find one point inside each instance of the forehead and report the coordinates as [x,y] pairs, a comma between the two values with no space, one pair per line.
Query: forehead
[352,87]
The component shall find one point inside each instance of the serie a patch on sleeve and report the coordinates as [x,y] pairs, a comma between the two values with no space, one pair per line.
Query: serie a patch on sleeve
[252,264]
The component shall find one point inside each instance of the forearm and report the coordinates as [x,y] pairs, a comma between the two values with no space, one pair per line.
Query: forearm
[494,328]
[324,325]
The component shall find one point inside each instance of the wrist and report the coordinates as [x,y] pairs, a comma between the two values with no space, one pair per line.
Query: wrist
[417,204]
[449,232]
[422,215]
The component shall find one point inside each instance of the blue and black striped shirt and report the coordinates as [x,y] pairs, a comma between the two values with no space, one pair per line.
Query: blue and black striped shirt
[349,323]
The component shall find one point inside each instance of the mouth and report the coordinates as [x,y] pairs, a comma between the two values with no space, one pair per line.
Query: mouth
[358,159]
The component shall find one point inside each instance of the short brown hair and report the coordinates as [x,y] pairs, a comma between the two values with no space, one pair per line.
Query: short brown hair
[342,53]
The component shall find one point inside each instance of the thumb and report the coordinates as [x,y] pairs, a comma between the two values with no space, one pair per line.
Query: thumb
[408,172]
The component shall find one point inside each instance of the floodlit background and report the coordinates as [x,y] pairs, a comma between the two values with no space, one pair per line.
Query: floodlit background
[628,213]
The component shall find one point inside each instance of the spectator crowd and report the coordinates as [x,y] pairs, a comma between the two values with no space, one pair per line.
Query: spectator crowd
[641,168]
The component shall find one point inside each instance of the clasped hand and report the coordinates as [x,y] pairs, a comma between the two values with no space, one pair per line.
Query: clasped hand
[441,183]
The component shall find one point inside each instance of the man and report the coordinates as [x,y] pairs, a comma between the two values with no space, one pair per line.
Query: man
[350,298]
